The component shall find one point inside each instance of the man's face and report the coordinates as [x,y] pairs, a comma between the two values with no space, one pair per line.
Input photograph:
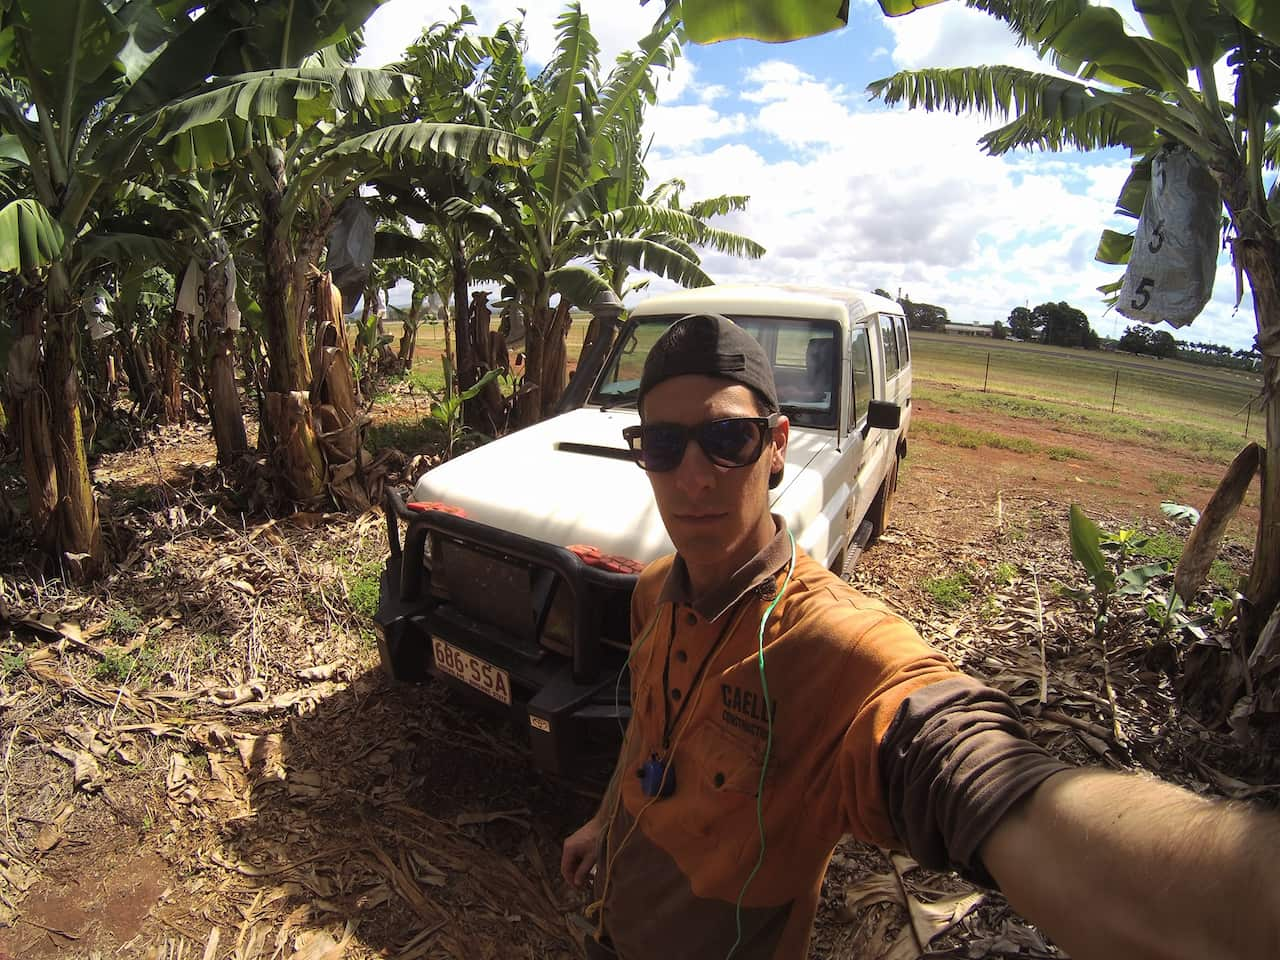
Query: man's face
[717,517]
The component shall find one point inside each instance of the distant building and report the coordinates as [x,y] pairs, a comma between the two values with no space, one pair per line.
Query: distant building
[969,329]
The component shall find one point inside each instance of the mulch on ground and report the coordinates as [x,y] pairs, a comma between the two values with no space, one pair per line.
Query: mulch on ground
[209,730]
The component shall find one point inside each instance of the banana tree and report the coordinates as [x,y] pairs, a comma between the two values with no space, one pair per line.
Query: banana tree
[576,217]
[322,131]
[1145,93]
[82,86]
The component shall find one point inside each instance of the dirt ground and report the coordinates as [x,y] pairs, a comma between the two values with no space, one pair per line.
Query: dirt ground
[265,792]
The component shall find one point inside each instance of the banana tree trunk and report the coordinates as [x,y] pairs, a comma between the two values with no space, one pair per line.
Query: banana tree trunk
[77,536]
[334,398]
[34,421]
[1257,252]
[291,432]
[170,345]
[221,394]
[464,353]
[1243,684]
[536,330]
[554,358]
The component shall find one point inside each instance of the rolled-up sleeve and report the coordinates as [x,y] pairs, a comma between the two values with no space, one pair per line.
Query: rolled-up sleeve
[954,760]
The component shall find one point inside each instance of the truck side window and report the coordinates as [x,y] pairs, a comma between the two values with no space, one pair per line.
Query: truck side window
[891,362]
[861,361]
[904,349]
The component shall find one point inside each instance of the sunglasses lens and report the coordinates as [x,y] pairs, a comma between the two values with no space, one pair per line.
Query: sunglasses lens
[662,447]
[732,443]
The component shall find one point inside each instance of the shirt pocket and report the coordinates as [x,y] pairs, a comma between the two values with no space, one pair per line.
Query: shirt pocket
[729,764]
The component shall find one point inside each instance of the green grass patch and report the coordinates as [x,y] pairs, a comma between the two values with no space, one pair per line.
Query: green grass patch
[956,436]
[427,381]
[362,588]
[1168,483]
[409,436]
[949,591]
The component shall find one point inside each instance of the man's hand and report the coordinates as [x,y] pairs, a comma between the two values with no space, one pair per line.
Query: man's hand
[580,851]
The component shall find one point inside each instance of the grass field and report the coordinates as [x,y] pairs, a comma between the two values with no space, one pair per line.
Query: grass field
[1163,402]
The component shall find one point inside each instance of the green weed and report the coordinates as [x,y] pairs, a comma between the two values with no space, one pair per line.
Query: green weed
[1167,482]
[1066,453]
[1005,573]
[122,622]
[1162,546]
[1223,575]
[949,591]
[120,668]
[11,663]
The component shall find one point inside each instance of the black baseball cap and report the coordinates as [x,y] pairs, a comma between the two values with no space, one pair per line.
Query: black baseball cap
[714,346]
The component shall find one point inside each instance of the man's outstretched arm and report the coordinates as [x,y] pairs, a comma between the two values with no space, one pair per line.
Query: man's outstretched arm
[1128,867]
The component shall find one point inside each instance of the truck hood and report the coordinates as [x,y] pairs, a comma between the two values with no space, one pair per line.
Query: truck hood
[563,481]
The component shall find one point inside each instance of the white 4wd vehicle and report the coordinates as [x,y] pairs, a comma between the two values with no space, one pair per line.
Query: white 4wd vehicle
[518,561]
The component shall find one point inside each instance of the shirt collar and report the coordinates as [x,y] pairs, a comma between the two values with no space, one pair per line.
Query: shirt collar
[758,574]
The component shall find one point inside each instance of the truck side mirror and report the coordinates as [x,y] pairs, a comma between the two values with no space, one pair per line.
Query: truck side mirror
[884,415]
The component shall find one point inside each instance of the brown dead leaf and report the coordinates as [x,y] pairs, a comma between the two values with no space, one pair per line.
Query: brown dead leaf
[931,920]
[254,690]
[51,833]
[179,782]
[86,773]
[305,783]
[317,945]
[262,755]
[325,671]
[243,586]
[515,816]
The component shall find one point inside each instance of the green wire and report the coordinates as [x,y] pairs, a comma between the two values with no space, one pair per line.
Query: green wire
[768,706]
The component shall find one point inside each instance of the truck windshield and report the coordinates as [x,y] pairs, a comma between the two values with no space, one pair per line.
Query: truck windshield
[805,355]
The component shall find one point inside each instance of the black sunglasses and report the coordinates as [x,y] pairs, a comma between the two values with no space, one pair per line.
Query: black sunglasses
[730,442]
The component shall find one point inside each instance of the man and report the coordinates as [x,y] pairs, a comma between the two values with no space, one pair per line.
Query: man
[775,709]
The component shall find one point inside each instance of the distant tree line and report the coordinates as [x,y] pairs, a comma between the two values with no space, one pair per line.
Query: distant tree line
[1153,343]
[1219,355]
[1059,324]
[1159,343]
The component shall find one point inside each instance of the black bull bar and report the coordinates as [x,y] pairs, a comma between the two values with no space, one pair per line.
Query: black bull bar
[554,698]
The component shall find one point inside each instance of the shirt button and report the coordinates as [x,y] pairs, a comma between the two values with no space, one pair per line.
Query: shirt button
[690,619]
[681,656]
[675,694]
[719,780]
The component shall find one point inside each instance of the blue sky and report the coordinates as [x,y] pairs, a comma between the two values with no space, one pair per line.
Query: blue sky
[846,191]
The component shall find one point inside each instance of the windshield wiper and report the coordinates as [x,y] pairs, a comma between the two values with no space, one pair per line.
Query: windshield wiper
[617,399]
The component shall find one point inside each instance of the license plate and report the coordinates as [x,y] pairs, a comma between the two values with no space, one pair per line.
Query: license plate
[473,671]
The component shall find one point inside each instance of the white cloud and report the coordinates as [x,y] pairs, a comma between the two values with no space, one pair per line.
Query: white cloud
[685,125]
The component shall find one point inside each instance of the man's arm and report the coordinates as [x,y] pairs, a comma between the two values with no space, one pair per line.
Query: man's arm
[581,848]
[1125,866]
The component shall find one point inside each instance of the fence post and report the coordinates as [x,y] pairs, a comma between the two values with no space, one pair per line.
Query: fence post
[1248,412]
[986,373]
[1115,392]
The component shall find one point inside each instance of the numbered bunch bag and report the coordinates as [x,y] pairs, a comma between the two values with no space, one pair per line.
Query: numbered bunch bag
[1175,248]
